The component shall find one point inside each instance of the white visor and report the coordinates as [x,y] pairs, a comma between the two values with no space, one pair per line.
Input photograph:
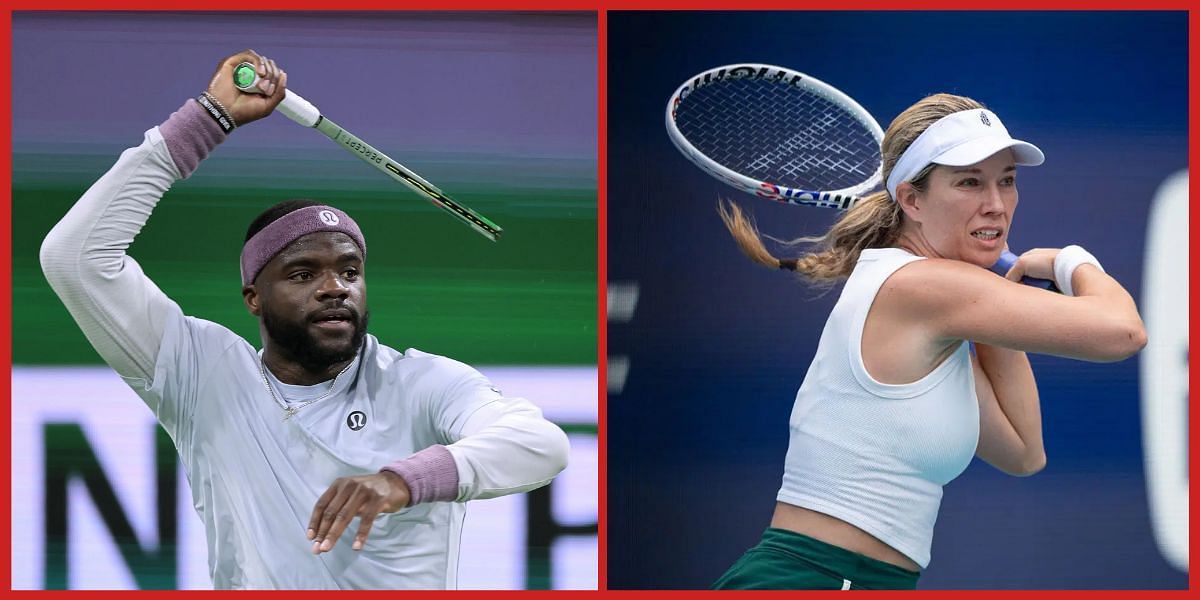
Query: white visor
[960,139]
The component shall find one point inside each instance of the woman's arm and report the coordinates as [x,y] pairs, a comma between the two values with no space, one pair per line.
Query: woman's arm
[1010,415]
[952,300]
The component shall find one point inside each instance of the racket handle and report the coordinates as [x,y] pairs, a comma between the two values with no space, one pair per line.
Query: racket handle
[1006,262]
[293,106]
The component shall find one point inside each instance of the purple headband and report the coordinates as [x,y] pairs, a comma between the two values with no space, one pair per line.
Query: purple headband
[273,238]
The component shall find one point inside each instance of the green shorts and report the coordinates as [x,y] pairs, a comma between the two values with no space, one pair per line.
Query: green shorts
[786,560]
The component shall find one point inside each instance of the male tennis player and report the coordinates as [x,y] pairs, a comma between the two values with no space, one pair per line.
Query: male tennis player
[286,447]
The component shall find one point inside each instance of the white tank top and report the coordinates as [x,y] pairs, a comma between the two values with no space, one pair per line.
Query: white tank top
[872,454]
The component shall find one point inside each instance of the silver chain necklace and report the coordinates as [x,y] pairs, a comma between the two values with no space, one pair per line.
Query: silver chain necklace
[290,410]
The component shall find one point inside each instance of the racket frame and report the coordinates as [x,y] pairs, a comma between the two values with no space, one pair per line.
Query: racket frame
[839,199]
[300,110]
[370,155]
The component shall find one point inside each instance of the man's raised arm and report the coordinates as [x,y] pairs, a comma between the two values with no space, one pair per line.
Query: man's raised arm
[84,258]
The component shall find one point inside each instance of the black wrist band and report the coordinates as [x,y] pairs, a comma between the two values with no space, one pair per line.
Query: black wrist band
[225,121]
[221,107]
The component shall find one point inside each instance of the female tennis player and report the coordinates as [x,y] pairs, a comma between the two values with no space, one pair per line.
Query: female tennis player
[895,403]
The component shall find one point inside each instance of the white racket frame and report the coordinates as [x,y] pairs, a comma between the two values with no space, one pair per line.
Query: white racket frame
[840,199]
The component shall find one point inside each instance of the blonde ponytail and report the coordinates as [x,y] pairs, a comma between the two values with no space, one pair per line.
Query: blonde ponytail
[746,235]
[874,222]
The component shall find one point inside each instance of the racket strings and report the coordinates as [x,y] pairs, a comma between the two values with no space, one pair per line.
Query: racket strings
[779,133]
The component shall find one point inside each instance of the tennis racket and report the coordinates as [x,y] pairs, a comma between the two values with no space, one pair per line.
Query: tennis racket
[296,108]
[784,136]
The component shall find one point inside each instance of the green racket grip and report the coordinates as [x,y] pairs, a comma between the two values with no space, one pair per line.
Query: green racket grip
[293,106]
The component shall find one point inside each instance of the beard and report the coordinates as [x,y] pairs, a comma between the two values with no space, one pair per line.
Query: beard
[313,354]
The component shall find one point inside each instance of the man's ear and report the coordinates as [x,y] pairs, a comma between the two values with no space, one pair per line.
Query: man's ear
[250,297]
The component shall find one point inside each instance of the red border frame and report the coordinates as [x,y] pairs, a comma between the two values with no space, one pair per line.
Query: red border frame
[6,262]
[1194,187]
[601,7]
[602,289]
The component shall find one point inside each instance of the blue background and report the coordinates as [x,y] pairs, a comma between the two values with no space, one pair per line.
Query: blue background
[718,346]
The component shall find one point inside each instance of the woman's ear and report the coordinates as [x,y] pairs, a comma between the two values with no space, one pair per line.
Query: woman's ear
[909,200]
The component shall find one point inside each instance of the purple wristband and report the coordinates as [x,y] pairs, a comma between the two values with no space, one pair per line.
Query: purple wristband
[430,474]
[190,135]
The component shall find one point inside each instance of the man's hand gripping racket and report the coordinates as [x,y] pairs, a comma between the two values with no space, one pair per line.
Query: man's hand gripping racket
[785,136]
[246,76]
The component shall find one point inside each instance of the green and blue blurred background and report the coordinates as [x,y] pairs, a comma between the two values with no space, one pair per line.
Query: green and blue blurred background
[499,110]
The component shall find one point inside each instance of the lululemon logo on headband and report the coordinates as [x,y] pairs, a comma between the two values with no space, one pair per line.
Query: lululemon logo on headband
[356,420]
[983,117]
[328,218]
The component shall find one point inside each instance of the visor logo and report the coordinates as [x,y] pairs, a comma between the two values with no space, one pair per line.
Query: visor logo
[983,117]
[328,217]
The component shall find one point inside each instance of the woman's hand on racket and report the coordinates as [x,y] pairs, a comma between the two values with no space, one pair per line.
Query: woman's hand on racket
[243,107]
[1037,263]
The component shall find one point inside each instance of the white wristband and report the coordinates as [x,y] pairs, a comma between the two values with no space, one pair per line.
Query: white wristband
[1067,261]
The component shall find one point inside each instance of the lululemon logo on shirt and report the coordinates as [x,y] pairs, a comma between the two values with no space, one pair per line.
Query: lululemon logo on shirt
[356,420]
[328,218]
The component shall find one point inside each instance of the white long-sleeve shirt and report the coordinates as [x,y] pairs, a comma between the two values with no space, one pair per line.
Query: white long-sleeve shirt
[255,476]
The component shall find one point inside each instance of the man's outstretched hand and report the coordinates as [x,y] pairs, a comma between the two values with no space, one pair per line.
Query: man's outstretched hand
[363,496]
